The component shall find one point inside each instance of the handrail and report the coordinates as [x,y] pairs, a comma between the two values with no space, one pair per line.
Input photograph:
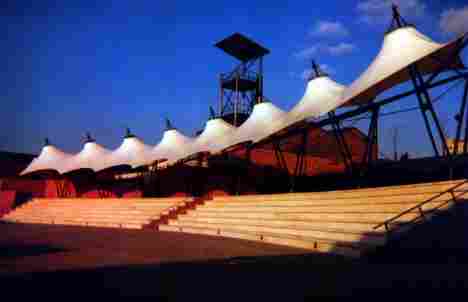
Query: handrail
[249,75]
[451,190]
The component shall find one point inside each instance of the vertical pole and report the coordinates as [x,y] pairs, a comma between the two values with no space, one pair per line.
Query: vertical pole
[237,98]
[375,137]
[221,95]
[396,15]
[427,97]
[341,142]
[423,106]
[298,170]
[368,156]
[395,141]
[461,115]
[260,71]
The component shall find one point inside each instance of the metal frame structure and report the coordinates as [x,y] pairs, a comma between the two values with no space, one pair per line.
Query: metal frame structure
[421,88]
[242,88]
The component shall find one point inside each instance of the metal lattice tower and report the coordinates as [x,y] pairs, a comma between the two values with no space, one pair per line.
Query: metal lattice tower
[241,88]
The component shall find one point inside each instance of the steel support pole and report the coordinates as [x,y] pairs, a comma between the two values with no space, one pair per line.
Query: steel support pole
[260,71]
[372,137]
[221,96]
[282,161]
[424,107]
[431,109]
[465,140]
[237,99]
[460,119]
[341,142]
[298,170]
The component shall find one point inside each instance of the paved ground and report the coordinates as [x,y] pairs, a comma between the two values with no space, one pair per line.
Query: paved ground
[36,248]
[39,261]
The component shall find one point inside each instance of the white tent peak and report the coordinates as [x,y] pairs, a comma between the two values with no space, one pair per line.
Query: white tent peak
[264,120]
[92,156]
[211,139]
[132,151]
[173,146]
[50,158]
[321,96]
[401,48]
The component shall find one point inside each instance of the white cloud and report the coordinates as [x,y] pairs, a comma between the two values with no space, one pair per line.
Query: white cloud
[327,28]
[341,49]
[307,53]
[334,50]
[380,12]
[454,21]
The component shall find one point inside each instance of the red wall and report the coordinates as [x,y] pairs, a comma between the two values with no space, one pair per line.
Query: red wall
[40,188]
[7,201]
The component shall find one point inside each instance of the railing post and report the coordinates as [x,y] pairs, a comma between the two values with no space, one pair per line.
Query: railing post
[421,212]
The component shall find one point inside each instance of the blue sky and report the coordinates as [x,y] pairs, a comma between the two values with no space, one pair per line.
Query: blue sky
[76,66]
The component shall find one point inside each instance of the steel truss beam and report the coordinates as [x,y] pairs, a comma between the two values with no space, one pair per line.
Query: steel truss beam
[459,118]
[300,161]
[425,104]
[281,161]
[361,110]
[372,141]
[341,142]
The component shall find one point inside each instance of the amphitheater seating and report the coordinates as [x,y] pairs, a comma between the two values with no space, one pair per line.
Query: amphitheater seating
[341,222]
[110,212]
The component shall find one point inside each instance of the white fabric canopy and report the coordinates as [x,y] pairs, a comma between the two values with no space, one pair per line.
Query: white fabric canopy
[173,146]
[211,139]
[51,158]
[321,96]
[401,48]
[264,120]
[131,152]
[92,156]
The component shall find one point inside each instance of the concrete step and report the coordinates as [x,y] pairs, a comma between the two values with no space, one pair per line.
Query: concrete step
[108,206]
[309,243]
[349,226]
[84,218]
[367,217]
[117,200]
[111,224]
[114,224]
[359,208]
[92,211]
[343,236]
[404,199]
[369,192]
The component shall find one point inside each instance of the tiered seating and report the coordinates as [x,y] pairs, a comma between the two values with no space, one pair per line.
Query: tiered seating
[121,213]
[341,222]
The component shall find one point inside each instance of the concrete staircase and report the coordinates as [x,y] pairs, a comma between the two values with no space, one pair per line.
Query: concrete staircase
[340,222]
[116,213]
